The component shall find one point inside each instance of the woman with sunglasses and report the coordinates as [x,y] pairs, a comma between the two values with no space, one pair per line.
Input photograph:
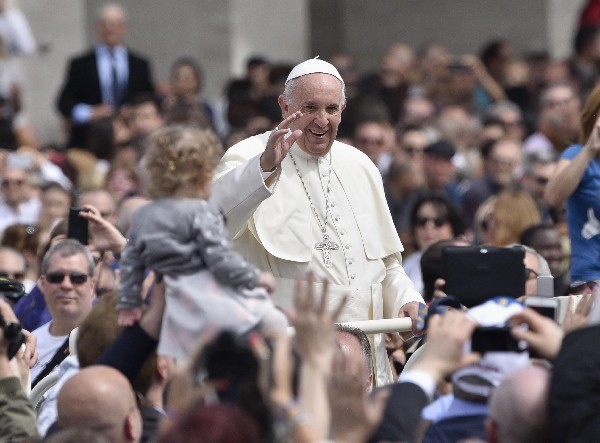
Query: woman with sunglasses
[433,218]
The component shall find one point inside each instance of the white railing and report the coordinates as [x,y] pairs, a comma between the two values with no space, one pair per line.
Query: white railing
[376,326]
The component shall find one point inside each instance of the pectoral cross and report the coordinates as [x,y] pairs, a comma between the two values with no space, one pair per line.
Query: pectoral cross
[326,246]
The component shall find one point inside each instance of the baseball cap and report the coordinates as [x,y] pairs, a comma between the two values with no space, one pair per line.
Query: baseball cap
[441,148]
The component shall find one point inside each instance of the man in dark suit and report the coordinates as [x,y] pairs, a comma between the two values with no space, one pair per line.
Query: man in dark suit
[102,80]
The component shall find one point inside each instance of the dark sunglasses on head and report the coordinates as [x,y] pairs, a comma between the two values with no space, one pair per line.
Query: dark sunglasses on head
[12,275]
[77,278]
[437,221]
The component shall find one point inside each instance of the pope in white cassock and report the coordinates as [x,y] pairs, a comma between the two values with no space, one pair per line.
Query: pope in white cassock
[295,198]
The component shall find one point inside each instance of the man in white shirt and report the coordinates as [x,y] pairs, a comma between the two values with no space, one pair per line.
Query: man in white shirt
[68,286]
[295,198]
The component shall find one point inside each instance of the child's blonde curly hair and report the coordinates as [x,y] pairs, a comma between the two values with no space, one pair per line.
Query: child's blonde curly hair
[179,160]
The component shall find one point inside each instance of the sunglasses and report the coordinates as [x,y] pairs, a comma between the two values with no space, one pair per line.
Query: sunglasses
[77,278]
[7,182]
[530,274]
[410,150]
[12,275]
[437,221]
[370,141]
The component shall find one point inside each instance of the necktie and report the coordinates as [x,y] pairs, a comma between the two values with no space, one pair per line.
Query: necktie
[116,90]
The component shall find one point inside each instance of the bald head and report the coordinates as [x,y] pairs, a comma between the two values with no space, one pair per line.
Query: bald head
[518,407]
[112,24]
[355,345]
[100,398]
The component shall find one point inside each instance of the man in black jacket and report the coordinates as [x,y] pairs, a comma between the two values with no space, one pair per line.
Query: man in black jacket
[100,81]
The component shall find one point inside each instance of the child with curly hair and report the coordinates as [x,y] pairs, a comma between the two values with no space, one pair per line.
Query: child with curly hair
[180,236]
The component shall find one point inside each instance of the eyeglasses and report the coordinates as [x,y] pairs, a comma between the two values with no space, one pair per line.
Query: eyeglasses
[437,221]
[19,276]
[556,102]
[512,123]
[530,274]
[501,162]
[56,278]
[412,150]
[7,182]
[370,141]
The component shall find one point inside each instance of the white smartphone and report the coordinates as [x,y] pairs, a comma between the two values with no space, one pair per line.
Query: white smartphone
[546,306]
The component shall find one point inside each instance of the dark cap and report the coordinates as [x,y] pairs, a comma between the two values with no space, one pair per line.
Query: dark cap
[441,148]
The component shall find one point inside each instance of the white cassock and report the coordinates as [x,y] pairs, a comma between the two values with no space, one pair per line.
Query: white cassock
[273,226]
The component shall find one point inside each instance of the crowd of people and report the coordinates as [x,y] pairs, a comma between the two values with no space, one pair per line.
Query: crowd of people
[312,197]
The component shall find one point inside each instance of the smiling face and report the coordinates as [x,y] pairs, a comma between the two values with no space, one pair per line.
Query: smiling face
[68,301]
[320,98]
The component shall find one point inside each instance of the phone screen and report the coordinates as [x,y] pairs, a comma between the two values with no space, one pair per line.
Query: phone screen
[493,339]
[546,311]
[78,226]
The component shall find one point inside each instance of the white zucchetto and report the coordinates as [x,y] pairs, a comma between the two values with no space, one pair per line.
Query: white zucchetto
[314,66]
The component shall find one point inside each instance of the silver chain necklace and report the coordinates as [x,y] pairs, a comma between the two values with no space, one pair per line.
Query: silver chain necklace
[325,245]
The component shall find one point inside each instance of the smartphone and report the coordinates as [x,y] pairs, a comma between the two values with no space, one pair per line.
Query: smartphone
[494,339]
[545,286]
[78,226]
[546,306]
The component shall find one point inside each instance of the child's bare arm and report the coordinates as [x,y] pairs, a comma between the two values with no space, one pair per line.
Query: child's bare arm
[129,316]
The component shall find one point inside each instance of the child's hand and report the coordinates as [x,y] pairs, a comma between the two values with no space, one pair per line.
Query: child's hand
[267,281]
[129,317]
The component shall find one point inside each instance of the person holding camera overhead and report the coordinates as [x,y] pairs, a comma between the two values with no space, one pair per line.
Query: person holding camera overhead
[181,236]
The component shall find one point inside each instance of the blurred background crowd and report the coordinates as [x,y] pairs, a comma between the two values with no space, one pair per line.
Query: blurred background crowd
[466,145]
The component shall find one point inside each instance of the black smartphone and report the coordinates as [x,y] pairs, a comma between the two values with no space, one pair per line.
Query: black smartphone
[493,339]
[546,306]
[78,226]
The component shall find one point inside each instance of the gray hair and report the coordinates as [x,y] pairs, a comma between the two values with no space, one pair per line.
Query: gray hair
[539,158]
[495,110]
[290,88]
[544,268]
[68,248]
